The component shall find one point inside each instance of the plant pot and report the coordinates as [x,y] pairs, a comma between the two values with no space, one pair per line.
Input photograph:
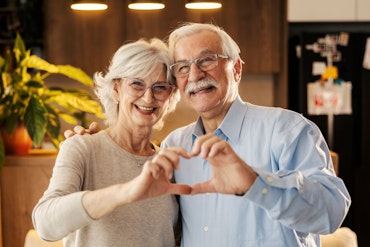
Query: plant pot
[17,142]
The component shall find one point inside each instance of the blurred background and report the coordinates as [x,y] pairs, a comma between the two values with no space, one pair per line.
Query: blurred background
[273,36]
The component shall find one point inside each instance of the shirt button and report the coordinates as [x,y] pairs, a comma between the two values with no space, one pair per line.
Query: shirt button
[269,179]
[205,228]
[265,191]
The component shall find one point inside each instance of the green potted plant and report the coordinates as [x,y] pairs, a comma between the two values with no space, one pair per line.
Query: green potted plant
[26,100]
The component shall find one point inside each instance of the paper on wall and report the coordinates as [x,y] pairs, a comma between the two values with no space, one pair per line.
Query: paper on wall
[324,99]
[318,68]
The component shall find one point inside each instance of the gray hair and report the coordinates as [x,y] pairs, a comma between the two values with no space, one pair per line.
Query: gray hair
[228,45]
[136,59]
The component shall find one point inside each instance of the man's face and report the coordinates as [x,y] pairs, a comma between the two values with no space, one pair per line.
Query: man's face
[207,99]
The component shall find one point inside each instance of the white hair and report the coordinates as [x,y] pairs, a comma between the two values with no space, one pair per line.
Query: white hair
[228,45]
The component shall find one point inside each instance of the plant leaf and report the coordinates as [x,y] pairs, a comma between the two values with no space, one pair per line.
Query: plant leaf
[53,125]
[67,70]
[77,100]
[35,120]
[76,74]
[11,123]
[19,44]
[36,62]
[2,62]
[19,48]
[34,84]
[68,118]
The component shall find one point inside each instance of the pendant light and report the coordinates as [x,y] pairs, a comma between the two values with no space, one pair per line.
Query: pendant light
[89,5]
[203,4]
[145,5]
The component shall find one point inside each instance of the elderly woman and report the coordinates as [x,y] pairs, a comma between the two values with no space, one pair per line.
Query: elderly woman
[105,191]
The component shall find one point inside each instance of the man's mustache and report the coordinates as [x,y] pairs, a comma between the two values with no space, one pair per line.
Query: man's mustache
[201,84]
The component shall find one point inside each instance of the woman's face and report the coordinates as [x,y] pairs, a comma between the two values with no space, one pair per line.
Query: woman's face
[146,110]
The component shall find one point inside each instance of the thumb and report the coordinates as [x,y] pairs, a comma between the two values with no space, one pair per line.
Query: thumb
[204,187]
[180,189]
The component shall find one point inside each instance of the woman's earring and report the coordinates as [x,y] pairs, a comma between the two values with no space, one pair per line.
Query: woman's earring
[117,102]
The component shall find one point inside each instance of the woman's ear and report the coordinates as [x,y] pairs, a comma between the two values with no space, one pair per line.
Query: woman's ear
[115,94]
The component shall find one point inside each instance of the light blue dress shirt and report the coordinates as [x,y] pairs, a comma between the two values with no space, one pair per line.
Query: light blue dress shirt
[295,197]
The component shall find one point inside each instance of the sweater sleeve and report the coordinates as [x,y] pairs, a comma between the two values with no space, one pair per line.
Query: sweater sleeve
[60,210]
[55,218]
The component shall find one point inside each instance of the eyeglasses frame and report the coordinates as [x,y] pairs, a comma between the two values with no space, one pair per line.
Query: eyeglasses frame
[147,87]
[196,63]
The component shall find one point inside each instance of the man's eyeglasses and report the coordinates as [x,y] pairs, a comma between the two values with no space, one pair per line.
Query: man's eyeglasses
[161,90]
[204,63]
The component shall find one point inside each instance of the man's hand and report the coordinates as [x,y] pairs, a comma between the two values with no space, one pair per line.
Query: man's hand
[230,174]
[93,128]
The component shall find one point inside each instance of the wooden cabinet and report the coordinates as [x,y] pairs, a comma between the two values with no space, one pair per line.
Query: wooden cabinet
[23,181]
[258,27]
[88,40]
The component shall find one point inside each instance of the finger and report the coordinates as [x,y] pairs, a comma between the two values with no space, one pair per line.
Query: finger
[173,155]
[94,127]
[198,145]
[217,147]
[204,187]
[180,189]
[68,133]
[165,163]
[153,169]
[79,130]
[204,145]
[179,151]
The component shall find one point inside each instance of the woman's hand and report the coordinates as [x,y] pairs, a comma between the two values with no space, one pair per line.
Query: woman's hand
[157,173]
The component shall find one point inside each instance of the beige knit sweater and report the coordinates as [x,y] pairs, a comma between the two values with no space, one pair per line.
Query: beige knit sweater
[91,162]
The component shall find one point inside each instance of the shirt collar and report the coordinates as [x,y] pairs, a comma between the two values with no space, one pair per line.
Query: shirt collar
[230,126]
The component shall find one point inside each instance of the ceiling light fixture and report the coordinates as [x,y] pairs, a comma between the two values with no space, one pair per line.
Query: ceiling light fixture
[145,5]
[89,5]
[203,4]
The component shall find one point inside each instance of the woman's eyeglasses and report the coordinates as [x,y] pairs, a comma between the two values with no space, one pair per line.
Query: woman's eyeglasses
[161,91]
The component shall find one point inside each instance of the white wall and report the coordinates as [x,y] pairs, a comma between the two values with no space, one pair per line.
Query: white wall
[328,10]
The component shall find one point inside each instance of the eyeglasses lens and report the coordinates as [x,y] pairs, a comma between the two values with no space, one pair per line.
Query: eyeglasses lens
[137,88]
[204,63]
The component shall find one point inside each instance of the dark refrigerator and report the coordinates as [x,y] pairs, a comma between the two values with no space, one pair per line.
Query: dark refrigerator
[347,133]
